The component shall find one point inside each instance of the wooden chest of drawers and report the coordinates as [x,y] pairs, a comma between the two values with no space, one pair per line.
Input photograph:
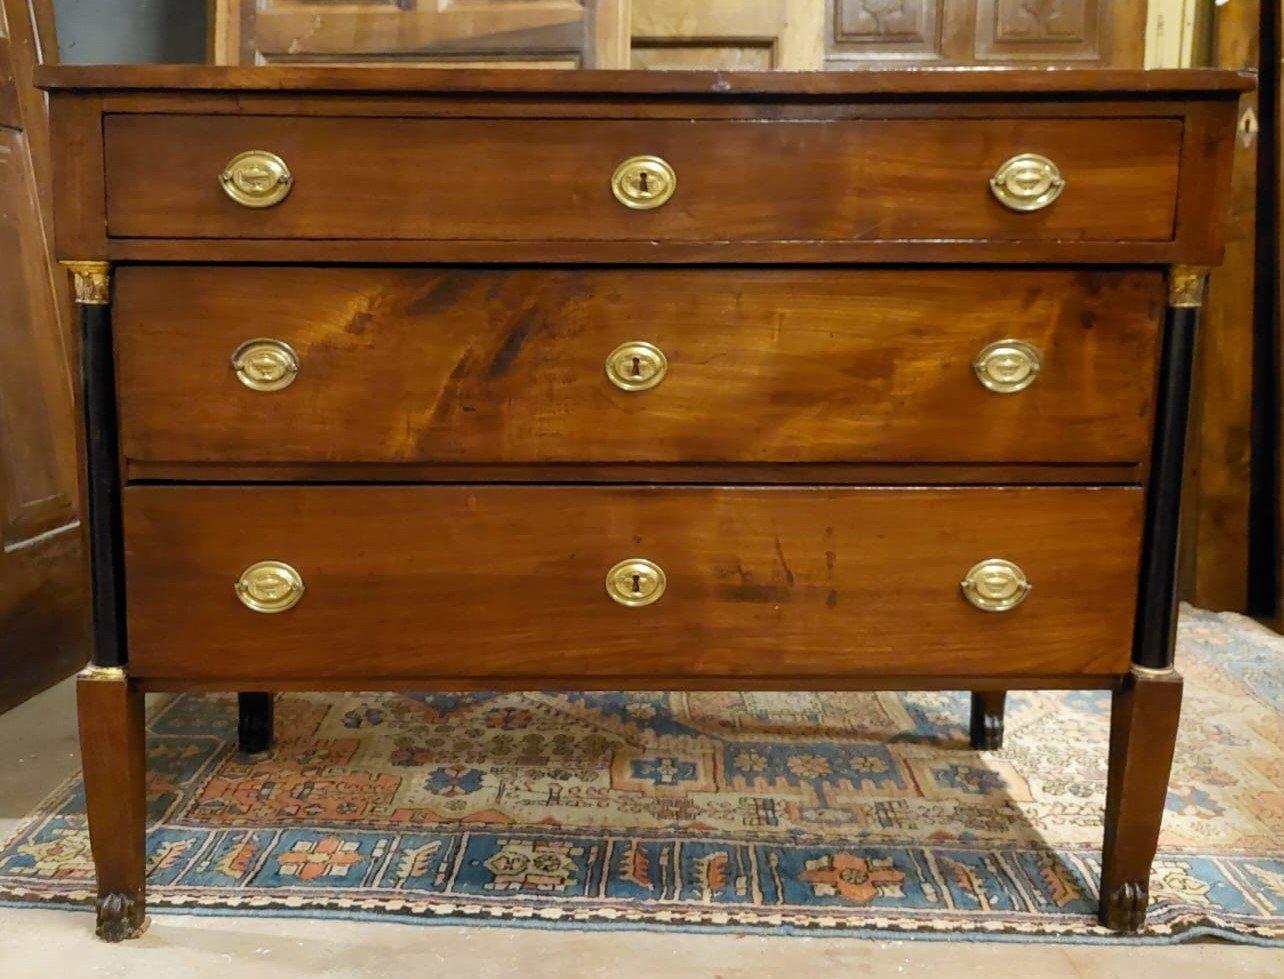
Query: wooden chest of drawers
[621,380]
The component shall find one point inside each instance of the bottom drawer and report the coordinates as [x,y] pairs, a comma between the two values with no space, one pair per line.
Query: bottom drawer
[476,582]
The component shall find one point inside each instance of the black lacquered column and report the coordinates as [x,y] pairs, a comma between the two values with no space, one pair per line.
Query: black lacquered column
[1156,625]
[92,281]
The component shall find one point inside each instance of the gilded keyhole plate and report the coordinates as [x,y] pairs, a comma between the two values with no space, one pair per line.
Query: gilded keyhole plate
[636,366]
[644,182]
[1007,366]
[636,582]
[256,178]
[264,364]
[269,586]
[995,585]
[1027,182]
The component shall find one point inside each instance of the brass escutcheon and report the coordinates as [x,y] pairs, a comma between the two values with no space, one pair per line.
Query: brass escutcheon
[995,585]
[636,366]
[1027,182]
[636,582]
[1007,366]
[256,178]
[264,364]
[644,182]
[270,586]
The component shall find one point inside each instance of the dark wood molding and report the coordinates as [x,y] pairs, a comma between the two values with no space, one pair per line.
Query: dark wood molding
[954,83]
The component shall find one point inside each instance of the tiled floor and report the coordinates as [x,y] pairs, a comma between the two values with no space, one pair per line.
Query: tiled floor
[38,750]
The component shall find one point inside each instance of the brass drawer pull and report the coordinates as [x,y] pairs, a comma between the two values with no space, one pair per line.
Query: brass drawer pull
[995,585]
[264,364]
[1007,366]
[270,586]
[644,182]
[1027,182]
[636,366]
[256,178]
[636,582]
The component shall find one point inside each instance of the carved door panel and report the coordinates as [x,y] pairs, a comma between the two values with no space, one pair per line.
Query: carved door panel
[460,33]
[1084,33]
[42,624]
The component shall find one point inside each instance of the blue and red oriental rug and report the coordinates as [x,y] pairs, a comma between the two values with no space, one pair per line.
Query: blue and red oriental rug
[844,814]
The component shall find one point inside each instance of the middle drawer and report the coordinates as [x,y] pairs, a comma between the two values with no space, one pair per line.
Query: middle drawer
[355,365]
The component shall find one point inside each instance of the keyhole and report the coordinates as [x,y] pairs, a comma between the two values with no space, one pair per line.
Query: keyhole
[637,366]
[643,183]
[637,584]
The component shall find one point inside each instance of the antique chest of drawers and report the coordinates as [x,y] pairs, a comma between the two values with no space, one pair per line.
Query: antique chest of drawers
[406,379]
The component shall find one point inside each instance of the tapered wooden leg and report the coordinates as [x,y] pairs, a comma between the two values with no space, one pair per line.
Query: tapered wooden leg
[112,747]
[1146,708]
[1143,733]
[987,719]
[255,723]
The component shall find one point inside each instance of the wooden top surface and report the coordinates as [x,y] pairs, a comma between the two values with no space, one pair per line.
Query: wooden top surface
[906,82]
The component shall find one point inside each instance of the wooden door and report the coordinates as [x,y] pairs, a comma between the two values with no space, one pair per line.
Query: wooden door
[441,33]
[733,34]
[1082,33]
[838,34]
[42,610]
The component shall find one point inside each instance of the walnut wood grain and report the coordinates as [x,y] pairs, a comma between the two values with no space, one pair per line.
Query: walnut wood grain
[447,179]
[653,681]
[1143,734]
[915,82]
[1206,141]
[508,581]
[798,473]
[112,746]
[506,366]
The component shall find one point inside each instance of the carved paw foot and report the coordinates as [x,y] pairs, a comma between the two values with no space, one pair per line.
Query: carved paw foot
[120,917]
[1124,908]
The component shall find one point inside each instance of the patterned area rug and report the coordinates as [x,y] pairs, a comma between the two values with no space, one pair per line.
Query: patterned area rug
[859,814]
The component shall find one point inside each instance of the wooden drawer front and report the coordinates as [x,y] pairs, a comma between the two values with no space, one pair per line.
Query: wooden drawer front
[508,366]
[508,582]
[547,179]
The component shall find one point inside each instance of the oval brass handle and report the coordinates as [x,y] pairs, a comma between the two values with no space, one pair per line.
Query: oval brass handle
[995,585]
[636,366]
[1007,366]
[256,178]
[636,582]
[270,586]
[264,364]
[1027,182]
[644,182]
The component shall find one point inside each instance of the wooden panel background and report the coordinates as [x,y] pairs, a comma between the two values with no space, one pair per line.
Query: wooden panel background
[42,637]
[744,34]
[1216,542]
[747,34]
[472,33]
[865,33]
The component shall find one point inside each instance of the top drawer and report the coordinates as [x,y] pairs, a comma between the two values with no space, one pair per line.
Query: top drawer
[551,179]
